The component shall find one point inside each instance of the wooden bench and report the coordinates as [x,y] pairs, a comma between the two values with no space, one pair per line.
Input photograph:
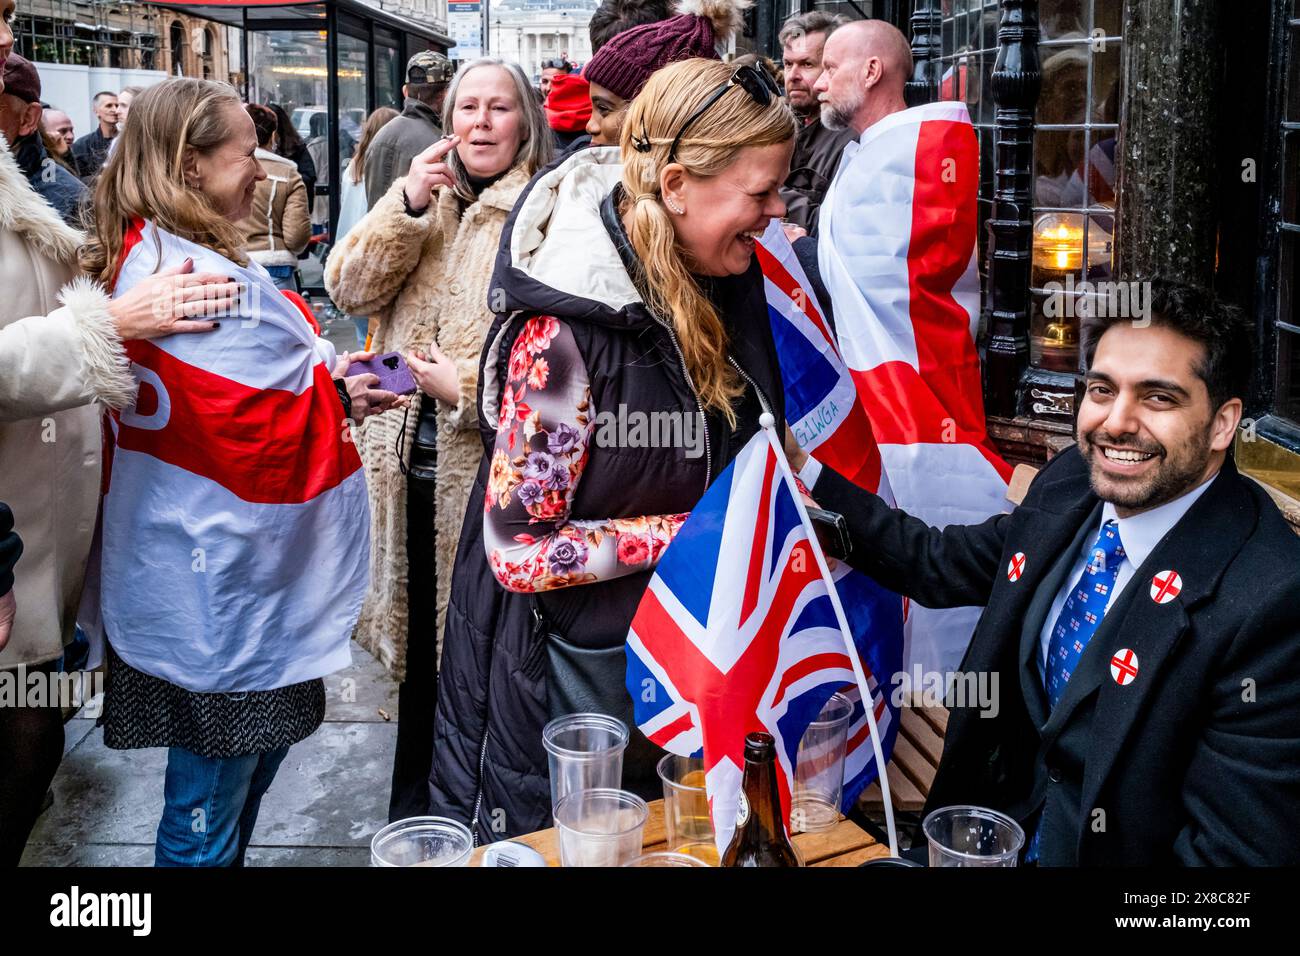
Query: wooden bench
[915,759]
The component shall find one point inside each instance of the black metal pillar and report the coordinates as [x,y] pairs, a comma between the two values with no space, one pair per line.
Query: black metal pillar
[243,52]
[766,28]
[1169,194]
[370,67]
[1015,84]
[332,101]
[924,84]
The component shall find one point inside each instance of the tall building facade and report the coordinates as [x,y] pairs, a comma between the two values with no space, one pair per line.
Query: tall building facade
[530,32]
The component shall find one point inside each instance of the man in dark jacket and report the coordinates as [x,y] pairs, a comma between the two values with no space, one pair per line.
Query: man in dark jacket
[91,150]
[816,148]
[1141,620]
[20,122]
[419,127]
[11,548]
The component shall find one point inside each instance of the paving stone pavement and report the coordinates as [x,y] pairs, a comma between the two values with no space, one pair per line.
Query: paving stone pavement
[328,799]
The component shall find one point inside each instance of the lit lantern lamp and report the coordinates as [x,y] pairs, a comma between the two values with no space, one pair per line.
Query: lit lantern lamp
[1058,252]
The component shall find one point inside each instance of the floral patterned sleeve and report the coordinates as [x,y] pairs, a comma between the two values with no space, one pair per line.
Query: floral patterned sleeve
[547,423]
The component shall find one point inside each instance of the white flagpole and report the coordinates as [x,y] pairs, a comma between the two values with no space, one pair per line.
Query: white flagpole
[768,423]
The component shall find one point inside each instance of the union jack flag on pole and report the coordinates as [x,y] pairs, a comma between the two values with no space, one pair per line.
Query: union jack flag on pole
[742,629]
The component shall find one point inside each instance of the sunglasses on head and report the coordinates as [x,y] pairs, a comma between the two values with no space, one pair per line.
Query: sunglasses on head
[755,81]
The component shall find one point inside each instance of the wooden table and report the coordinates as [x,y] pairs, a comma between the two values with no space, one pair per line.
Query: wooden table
[845,844]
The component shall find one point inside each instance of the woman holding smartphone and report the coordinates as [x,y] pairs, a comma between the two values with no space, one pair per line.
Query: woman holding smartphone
[420,262]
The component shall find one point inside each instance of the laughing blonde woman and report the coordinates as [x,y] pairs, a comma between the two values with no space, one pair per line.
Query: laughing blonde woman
[629,289]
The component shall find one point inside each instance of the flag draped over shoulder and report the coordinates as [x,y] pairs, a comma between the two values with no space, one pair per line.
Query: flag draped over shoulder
[897,252]
[235,528]
[829,421]
[737,632]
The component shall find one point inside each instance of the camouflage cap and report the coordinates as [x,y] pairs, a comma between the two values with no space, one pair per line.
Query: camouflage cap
[429,67]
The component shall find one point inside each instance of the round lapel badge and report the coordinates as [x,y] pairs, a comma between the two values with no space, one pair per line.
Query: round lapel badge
[1166,586]
[1016,567]
[1124,667]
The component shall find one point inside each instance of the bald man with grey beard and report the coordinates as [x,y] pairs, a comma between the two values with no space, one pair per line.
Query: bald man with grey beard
[865,66]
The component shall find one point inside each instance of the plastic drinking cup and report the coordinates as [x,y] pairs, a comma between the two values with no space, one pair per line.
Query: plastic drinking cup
[687,822]
[422,841]
[584,752]
[600,827]
[665,858]
[972,836]
[819,768]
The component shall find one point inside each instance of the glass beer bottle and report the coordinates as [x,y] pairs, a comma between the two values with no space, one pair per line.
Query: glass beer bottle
[760,838]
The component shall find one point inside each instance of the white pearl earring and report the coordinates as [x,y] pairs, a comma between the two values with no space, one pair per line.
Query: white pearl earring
[673,206]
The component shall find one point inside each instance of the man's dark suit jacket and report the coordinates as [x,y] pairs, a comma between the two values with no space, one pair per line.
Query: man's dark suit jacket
[1197,760]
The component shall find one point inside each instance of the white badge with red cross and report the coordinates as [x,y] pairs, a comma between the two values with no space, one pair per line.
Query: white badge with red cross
[1016,567]
[1124,667]
[1166,586]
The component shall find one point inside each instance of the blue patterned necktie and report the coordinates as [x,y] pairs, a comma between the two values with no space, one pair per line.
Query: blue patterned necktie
[1079,619]
[1083,610]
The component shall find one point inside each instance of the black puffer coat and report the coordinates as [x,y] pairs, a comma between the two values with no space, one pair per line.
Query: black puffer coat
[513,661]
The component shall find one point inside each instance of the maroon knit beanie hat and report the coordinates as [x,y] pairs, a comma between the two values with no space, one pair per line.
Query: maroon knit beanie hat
[623,64]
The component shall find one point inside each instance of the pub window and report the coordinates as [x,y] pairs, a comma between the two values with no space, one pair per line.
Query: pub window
[1286,396]
[969,45]
[1075,167]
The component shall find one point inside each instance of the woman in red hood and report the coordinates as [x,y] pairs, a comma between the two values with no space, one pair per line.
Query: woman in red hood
[568,108]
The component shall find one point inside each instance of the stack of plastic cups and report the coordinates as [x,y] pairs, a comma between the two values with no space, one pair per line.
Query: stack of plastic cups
[598,824]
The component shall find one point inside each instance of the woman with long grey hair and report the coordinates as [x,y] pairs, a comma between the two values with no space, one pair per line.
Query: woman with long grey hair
[420,262]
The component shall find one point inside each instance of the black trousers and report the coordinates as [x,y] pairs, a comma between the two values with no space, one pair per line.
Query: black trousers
[31,746]
[417,696]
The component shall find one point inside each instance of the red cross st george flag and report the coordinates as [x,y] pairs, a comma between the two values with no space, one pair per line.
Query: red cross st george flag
[234,546]
[897,252]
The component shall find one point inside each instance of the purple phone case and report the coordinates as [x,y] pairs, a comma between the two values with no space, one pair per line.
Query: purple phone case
[392,370]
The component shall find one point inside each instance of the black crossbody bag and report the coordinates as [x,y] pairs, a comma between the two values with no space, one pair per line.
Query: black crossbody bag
[424,446]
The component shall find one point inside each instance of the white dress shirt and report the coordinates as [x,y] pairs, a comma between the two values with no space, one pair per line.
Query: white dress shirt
[1138,535]
[810,472]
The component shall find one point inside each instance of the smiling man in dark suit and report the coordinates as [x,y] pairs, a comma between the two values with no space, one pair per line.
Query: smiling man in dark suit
[1142,614]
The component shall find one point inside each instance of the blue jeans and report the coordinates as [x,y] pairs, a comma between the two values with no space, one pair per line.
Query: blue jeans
[210,805]
[283,277]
